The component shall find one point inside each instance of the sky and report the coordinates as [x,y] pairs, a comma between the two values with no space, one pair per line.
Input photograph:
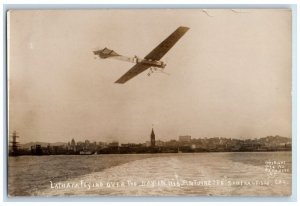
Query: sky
[229,75]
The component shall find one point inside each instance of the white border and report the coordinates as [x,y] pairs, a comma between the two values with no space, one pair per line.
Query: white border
[157,2]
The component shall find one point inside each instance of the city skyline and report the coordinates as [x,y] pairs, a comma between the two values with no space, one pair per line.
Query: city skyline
[237,84]
[182,144]
[145,139]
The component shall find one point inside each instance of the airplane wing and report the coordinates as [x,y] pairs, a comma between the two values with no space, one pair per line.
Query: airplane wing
[167,44]
[135,70]
[155,54]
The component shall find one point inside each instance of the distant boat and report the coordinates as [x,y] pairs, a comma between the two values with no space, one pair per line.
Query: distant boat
[85,152]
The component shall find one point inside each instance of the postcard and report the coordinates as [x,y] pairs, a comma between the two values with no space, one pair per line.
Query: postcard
[149,102]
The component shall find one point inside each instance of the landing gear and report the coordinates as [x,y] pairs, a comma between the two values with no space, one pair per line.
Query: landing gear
[156,70]
[150,71]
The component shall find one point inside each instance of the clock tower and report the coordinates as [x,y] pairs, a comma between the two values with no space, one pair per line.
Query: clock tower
[152,138]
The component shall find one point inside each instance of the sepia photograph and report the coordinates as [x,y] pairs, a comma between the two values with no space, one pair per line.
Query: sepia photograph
[149,102]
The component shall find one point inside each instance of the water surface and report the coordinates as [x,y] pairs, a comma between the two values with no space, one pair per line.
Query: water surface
[200,174]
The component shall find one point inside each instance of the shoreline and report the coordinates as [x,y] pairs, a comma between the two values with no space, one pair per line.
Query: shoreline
[78,154]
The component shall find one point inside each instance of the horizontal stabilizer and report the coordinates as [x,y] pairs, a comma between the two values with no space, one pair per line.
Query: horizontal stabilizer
[106,53]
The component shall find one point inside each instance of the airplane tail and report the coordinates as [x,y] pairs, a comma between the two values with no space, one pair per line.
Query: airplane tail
[106,53]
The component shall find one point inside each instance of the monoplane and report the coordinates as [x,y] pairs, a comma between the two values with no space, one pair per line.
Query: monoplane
[152,60]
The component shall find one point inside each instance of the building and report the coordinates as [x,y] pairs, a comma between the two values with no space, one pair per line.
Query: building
[152,138]
[73,145]
[87,144]
[102,145]
[171,143]
[114,144]
[159,143]
[36,149]
[186,138]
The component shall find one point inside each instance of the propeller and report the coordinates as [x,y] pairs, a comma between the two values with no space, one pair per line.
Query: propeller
[163,69]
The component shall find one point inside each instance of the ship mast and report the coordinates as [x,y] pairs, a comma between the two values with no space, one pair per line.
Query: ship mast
[15,144]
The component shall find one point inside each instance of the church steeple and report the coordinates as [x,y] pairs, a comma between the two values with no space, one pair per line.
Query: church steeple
[152,138]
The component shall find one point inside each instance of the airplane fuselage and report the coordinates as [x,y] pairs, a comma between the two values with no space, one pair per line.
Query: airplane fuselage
[154,63]
[107,53]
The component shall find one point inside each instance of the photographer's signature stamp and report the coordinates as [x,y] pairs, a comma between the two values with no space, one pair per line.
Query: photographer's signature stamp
[273,167]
